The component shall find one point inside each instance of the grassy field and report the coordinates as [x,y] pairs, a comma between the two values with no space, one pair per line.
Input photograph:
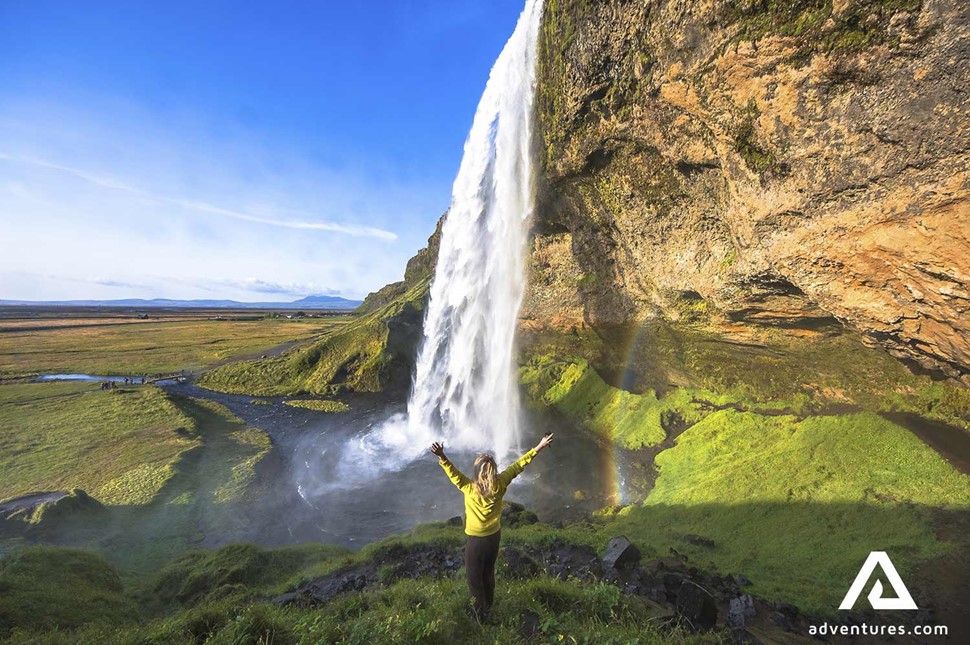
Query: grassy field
[117,445]
[144,347]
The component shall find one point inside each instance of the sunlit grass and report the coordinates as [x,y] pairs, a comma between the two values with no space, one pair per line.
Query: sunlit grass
[104,442]
[148,348]
[320,405]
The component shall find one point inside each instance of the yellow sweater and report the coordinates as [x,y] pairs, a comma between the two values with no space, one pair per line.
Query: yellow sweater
[483,516]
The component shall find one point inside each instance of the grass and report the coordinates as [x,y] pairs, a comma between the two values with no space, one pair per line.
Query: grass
[797,505]
[629,420]
[318,405]
[732,457]
[409,611]
[152,518]
[764,369]
[117,445]
[240,571]
[365,355]
[792,496]
[147,347]
[44,588]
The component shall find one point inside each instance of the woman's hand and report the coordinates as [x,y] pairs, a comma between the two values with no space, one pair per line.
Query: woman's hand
[545,441]
[438,450]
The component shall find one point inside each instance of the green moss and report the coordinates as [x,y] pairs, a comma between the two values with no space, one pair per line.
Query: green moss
[745,142]
[797,505]
[319,405]
[732,457]
[44,588]
[364,355]
[764,369]
[575,390]
[863,23]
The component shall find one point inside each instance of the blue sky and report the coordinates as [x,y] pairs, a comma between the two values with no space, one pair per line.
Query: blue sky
[248,150]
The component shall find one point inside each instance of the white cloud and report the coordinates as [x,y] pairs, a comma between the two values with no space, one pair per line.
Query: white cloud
[203,206]
[90,209]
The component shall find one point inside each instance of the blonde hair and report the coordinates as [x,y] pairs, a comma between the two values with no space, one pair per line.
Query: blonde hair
[486,475]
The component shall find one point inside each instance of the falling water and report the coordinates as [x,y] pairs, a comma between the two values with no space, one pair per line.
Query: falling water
[464,391]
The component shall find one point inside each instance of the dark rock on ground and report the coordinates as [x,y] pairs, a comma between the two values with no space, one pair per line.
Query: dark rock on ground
[455,521]
[518,565]
[781,621]
[696,607]
[579,560]
[396,562]
[740,610]
[620,553]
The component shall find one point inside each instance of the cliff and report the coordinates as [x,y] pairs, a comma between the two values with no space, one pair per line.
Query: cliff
[798,167]
[374,352]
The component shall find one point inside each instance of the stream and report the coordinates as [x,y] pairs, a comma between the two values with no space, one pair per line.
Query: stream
[318,494]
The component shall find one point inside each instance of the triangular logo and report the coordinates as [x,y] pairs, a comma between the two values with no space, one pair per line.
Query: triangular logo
[902,600]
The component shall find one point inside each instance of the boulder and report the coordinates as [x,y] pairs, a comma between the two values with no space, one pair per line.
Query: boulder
[620,553]
[740,610]
[696,607]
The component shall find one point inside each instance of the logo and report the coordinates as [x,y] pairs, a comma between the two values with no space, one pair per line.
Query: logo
[902,600]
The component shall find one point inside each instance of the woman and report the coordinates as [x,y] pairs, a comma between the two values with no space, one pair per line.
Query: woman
[483,516]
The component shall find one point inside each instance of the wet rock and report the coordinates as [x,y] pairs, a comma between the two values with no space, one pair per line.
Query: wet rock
[394,562]
[740,610]
[323,589]
[620,553]
[292,598]
[672,583]
[696,607]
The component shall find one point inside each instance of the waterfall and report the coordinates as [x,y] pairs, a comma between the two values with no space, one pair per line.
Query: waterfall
[464,389]
[465,392]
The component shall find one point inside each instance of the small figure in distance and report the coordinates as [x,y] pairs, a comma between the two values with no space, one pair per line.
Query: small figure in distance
[483,516]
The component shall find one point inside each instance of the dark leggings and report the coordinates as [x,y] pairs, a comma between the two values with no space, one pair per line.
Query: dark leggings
[480,555]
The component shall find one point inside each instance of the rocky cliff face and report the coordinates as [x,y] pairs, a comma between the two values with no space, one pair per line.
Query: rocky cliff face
[798,165]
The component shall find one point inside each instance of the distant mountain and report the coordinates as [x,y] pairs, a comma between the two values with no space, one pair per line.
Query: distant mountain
[310,302]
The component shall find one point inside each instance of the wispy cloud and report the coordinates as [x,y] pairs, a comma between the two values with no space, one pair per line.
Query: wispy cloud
[151,284]
[255,285]
[204,207]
